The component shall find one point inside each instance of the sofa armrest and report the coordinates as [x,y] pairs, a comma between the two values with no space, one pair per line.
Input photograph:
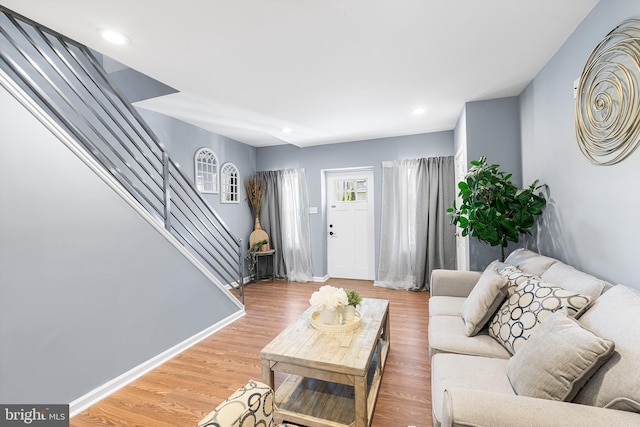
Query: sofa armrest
[253,400]
[453,283]
[467,407]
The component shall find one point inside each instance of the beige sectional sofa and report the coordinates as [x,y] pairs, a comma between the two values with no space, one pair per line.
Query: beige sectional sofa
[533,342]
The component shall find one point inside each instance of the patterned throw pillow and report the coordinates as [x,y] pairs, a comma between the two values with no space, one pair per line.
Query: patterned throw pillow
[531,302]
[515,276]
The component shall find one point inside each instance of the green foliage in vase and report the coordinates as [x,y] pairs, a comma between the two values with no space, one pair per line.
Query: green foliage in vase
[353,298]
[250,256]
[492,208]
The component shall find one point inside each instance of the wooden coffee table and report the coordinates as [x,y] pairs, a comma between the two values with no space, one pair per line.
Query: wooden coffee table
[334,376]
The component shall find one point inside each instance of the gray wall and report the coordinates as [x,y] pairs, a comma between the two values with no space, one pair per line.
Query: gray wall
[590,221]
[349,155]
[88,288]
[491,129]
[182,140]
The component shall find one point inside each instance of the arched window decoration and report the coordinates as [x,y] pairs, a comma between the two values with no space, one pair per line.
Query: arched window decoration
[229,177]
[206,169]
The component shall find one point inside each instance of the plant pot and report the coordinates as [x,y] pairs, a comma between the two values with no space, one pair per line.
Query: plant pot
[329,317]
[348,313]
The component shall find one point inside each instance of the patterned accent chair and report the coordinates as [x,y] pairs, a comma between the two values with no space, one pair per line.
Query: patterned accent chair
[250,406]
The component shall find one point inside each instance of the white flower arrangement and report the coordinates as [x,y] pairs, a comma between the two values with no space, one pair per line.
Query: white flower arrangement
[329,298]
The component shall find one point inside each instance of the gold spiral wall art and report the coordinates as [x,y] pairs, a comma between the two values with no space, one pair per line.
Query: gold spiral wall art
[608,97]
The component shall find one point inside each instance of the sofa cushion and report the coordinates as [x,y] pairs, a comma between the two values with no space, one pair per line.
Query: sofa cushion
[447,335]
[529,261]
[463,407]
[453,283]
[624,404]
[484,300]
[469,372]
[615,316]
[532,302]
[571,279]
[557,359]
[445,306]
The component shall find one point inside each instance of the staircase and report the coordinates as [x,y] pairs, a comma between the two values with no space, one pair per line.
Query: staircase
[65,79]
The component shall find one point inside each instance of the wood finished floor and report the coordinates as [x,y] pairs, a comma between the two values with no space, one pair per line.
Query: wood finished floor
[186,388]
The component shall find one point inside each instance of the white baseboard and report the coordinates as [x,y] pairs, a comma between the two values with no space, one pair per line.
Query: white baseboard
[247,280]
[94,396]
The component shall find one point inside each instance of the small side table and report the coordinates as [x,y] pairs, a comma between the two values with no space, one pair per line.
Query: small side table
[262,257]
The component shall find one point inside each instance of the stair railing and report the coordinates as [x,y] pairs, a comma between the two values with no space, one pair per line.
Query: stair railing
[66,80]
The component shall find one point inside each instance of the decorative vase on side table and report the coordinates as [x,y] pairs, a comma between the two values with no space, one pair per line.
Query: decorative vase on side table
[257,235]
[255,192]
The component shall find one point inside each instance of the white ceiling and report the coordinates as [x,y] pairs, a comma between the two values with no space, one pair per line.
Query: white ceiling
[330,70]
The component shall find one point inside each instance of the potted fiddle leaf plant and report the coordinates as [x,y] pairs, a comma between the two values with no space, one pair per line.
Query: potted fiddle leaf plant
[492,208]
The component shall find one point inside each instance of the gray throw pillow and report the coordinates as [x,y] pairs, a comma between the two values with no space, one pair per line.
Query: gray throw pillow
[483,300]
[615,315]
[571,279]
[557,360]
[529,261]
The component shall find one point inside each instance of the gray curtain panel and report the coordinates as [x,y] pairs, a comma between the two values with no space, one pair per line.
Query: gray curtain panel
[286,219]
[416,234]
[436,246]
[270,219]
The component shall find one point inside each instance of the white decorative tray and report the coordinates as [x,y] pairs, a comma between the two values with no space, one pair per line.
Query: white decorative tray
[349,325]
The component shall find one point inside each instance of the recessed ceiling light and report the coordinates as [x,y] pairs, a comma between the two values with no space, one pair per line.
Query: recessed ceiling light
[115,37]
[286,130]
[418,110]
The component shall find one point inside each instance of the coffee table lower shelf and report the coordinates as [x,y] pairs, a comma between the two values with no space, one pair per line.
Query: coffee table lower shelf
[314,402]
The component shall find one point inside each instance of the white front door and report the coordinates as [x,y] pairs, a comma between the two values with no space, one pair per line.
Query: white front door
[350,238]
